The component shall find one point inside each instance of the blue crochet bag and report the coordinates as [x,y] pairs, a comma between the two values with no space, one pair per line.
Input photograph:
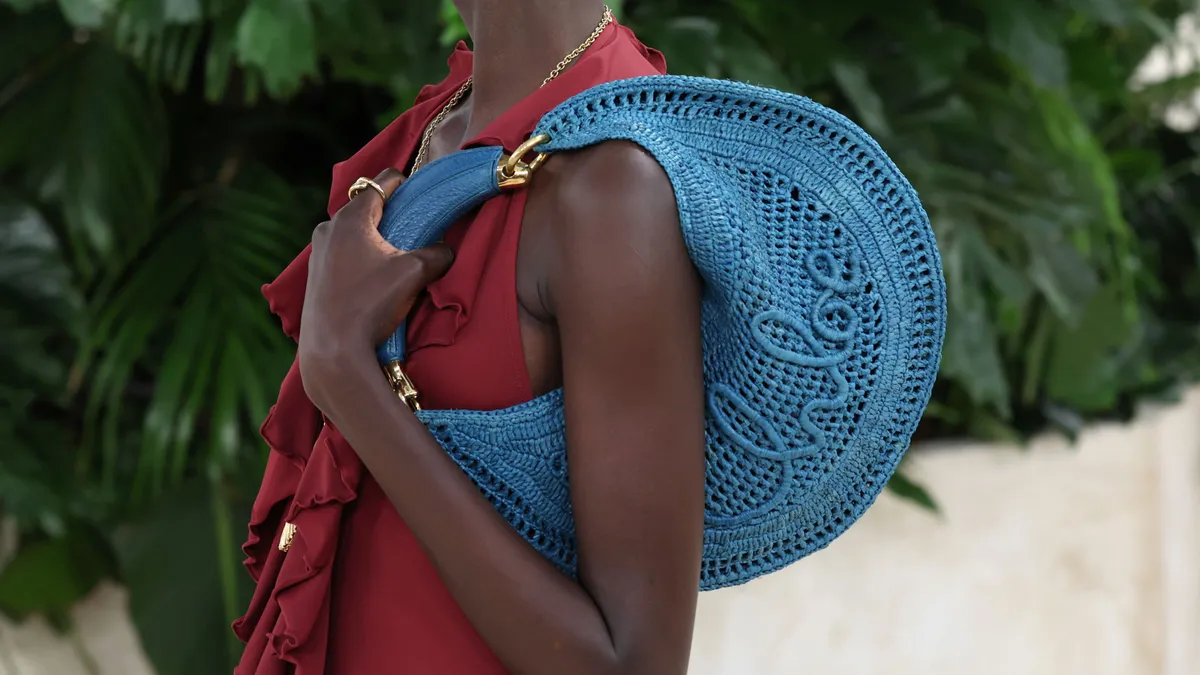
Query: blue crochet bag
[823,314]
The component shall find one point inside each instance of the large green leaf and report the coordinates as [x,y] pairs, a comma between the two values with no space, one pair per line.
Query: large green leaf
[39,314]
[1087,358]
[454,29]
[908,489]
[362,41]
[971,353]
[1063,275]
[278,38]
[25,40]
[196,285]
[170,561]
[23,5]
[746,61]
[88,136]
[1028,33]
[1114,12]
[50,575]
[37,298]
[86,13]
[689,43]
[852,78]
[164,39]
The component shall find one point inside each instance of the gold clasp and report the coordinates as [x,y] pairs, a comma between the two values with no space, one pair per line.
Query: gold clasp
[286,537]
[513,171]
[403,386]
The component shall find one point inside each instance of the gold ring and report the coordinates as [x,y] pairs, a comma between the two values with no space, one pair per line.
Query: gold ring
[362,184]
[513,171]
[510,166]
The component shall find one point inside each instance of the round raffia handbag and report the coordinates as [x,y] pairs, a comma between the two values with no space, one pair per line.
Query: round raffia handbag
[823,313]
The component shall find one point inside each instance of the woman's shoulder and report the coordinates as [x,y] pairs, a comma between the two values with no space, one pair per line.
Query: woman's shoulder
[610,221]
[616,185]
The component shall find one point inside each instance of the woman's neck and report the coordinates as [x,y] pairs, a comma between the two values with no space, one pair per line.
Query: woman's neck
[517,43]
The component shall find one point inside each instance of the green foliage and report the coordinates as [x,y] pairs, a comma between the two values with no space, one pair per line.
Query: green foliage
[161,159]
[182,540]
[905,488]
[50,574]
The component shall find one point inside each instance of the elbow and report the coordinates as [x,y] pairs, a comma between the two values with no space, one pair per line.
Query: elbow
[645,659]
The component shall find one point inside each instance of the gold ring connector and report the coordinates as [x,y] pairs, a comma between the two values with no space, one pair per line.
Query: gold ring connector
[513,171]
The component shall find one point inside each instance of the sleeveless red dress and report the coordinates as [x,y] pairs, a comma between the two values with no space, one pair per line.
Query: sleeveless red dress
[355,594]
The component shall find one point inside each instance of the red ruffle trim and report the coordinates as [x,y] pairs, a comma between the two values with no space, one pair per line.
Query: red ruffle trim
[312,473]
[285,296]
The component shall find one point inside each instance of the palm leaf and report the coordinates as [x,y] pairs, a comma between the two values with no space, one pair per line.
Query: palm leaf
[195,289]
[89,137]
[39,311]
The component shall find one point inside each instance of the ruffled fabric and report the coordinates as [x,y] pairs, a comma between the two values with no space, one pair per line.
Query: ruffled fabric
[291,444]
[447,309]
[329,482]
[312,473]
[285,295]
[313,477]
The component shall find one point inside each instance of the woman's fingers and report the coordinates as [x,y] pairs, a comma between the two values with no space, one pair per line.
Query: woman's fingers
[366,207]
[418,268]
[389,179]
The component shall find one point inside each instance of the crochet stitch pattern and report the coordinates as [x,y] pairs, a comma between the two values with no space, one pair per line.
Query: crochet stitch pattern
[822,315]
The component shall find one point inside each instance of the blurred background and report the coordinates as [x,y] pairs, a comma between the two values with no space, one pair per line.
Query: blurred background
[161,159]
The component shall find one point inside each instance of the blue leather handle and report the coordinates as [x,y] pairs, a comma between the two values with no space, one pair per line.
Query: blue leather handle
[427,204]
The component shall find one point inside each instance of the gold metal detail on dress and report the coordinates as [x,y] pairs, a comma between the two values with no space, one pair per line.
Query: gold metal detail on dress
[286,537]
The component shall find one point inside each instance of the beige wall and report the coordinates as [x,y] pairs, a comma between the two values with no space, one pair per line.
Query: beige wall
[1054,560]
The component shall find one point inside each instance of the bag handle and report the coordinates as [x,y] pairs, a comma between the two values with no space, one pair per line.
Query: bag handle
[443,191]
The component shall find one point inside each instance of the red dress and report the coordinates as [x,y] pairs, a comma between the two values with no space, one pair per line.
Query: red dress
[355,594]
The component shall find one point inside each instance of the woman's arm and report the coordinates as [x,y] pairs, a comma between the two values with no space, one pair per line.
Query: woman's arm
[627,303]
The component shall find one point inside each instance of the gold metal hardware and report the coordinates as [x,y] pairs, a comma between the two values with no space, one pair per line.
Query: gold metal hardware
[286,537]
[364,183]
[403,386]
[513,171]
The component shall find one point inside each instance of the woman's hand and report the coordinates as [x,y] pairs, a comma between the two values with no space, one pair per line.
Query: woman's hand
[359,289]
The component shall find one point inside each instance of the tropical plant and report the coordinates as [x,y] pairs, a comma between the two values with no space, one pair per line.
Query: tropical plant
[160,160]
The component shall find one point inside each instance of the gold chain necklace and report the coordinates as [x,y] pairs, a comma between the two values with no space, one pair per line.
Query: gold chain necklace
[562,65]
